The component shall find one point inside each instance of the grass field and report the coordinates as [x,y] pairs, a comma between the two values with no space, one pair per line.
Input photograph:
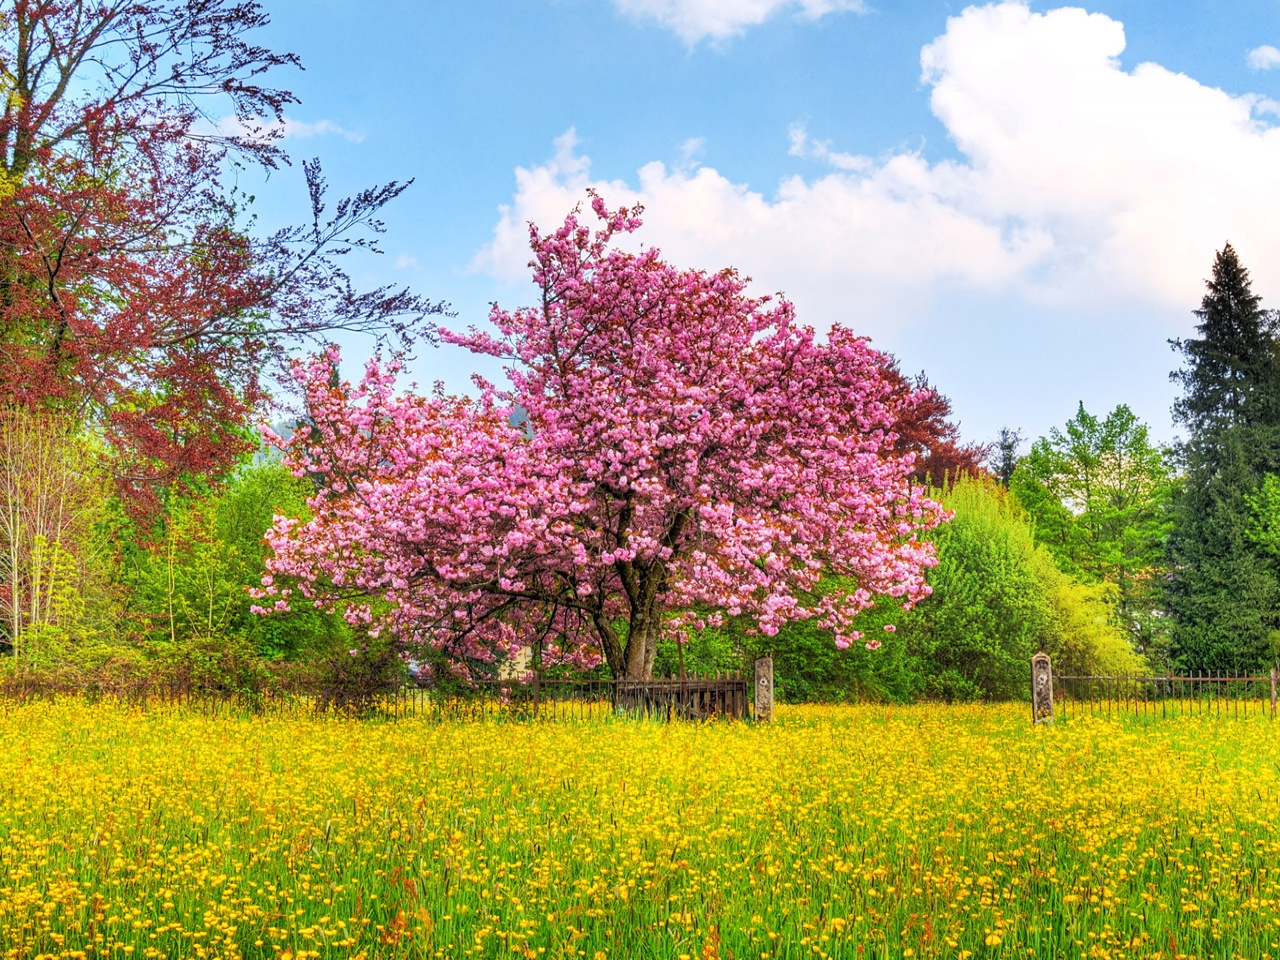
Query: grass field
[837,832]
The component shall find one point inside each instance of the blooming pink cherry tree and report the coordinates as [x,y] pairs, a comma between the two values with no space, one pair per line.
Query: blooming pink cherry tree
[689,453]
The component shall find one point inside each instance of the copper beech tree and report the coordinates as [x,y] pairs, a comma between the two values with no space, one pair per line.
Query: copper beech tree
[923,428]
[130,295]
[687,448]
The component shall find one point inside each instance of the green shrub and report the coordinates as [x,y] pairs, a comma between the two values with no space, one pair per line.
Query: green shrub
[999,598]
[223,667]
[356,679]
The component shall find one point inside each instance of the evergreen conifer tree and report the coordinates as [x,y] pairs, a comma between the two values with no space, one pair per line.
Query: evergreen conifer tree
[1004,458]
[1222,592]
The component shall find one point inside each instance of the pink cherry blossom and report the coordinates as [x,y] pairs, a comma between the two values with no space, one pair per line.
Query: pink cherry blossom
[679,447]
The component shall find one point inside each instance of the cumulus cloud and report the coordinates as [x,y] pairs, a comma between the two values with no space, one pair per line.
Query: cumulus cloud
[1080,186]
[1265,57]
[695,20]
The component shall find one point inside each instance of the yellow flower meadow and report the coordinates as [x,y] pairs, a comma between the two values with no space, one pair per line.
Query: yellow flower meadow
[860,832]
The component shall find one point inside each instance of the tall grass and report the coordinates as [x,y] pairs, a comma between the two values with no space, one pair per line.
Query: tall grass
[836,832]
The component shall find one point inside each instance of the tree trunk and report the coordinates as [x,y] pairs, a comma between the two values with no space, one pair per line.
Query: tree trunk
[634,659]
[642,645]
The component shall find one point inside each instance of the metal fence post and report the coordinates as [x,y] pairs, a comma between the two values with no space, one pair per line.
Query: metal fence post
[1041,689]
[1273,693]
[764,689]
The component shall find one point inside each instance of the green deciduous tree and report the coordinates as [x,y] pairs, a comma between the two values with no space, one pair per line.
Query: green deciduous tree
[189,586]
[53,556]
[1098,494]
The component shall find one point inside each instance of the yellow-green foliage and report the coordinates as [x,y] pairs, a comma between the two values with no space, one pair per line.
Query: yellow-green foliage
[856,832]
[999,598]
[1083,638]
[56,602]
[190,589]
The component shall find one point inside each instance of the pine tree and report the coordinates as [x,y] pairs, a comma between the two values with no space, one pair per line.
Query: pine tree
[1004,458]
[1231,377]
[1222,592]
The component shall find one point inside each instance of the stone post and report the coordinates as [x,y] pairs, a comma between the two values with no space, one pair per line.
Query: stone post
[764,689]
[1041,689]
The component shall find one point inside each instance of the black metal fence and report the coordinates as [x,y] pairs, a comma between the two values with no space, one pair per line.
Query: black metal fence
[148,695]
[1208,694]
[693,698]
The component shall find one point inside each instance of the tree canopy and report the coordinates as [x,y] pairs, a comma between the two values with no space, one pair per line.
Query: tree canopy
[689,453]
[130,293]
[1098,493]
[1222,592]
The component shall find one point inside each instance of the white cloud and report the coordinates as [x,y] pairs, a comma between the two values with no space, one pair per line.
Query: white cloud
[288,128]
[301,130]
[407,261]
[1082,186]
[802,145]
[1263,105]
[1265,57]
[695,20]
[691,151]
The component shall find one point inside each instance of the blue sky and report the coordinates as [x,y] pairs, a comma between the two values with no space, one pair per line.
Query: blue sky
[1020,200]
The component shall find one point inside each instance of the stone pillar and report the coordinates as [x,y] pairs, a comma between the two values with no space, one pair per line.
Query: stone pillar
[764,689]
[1041,689]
